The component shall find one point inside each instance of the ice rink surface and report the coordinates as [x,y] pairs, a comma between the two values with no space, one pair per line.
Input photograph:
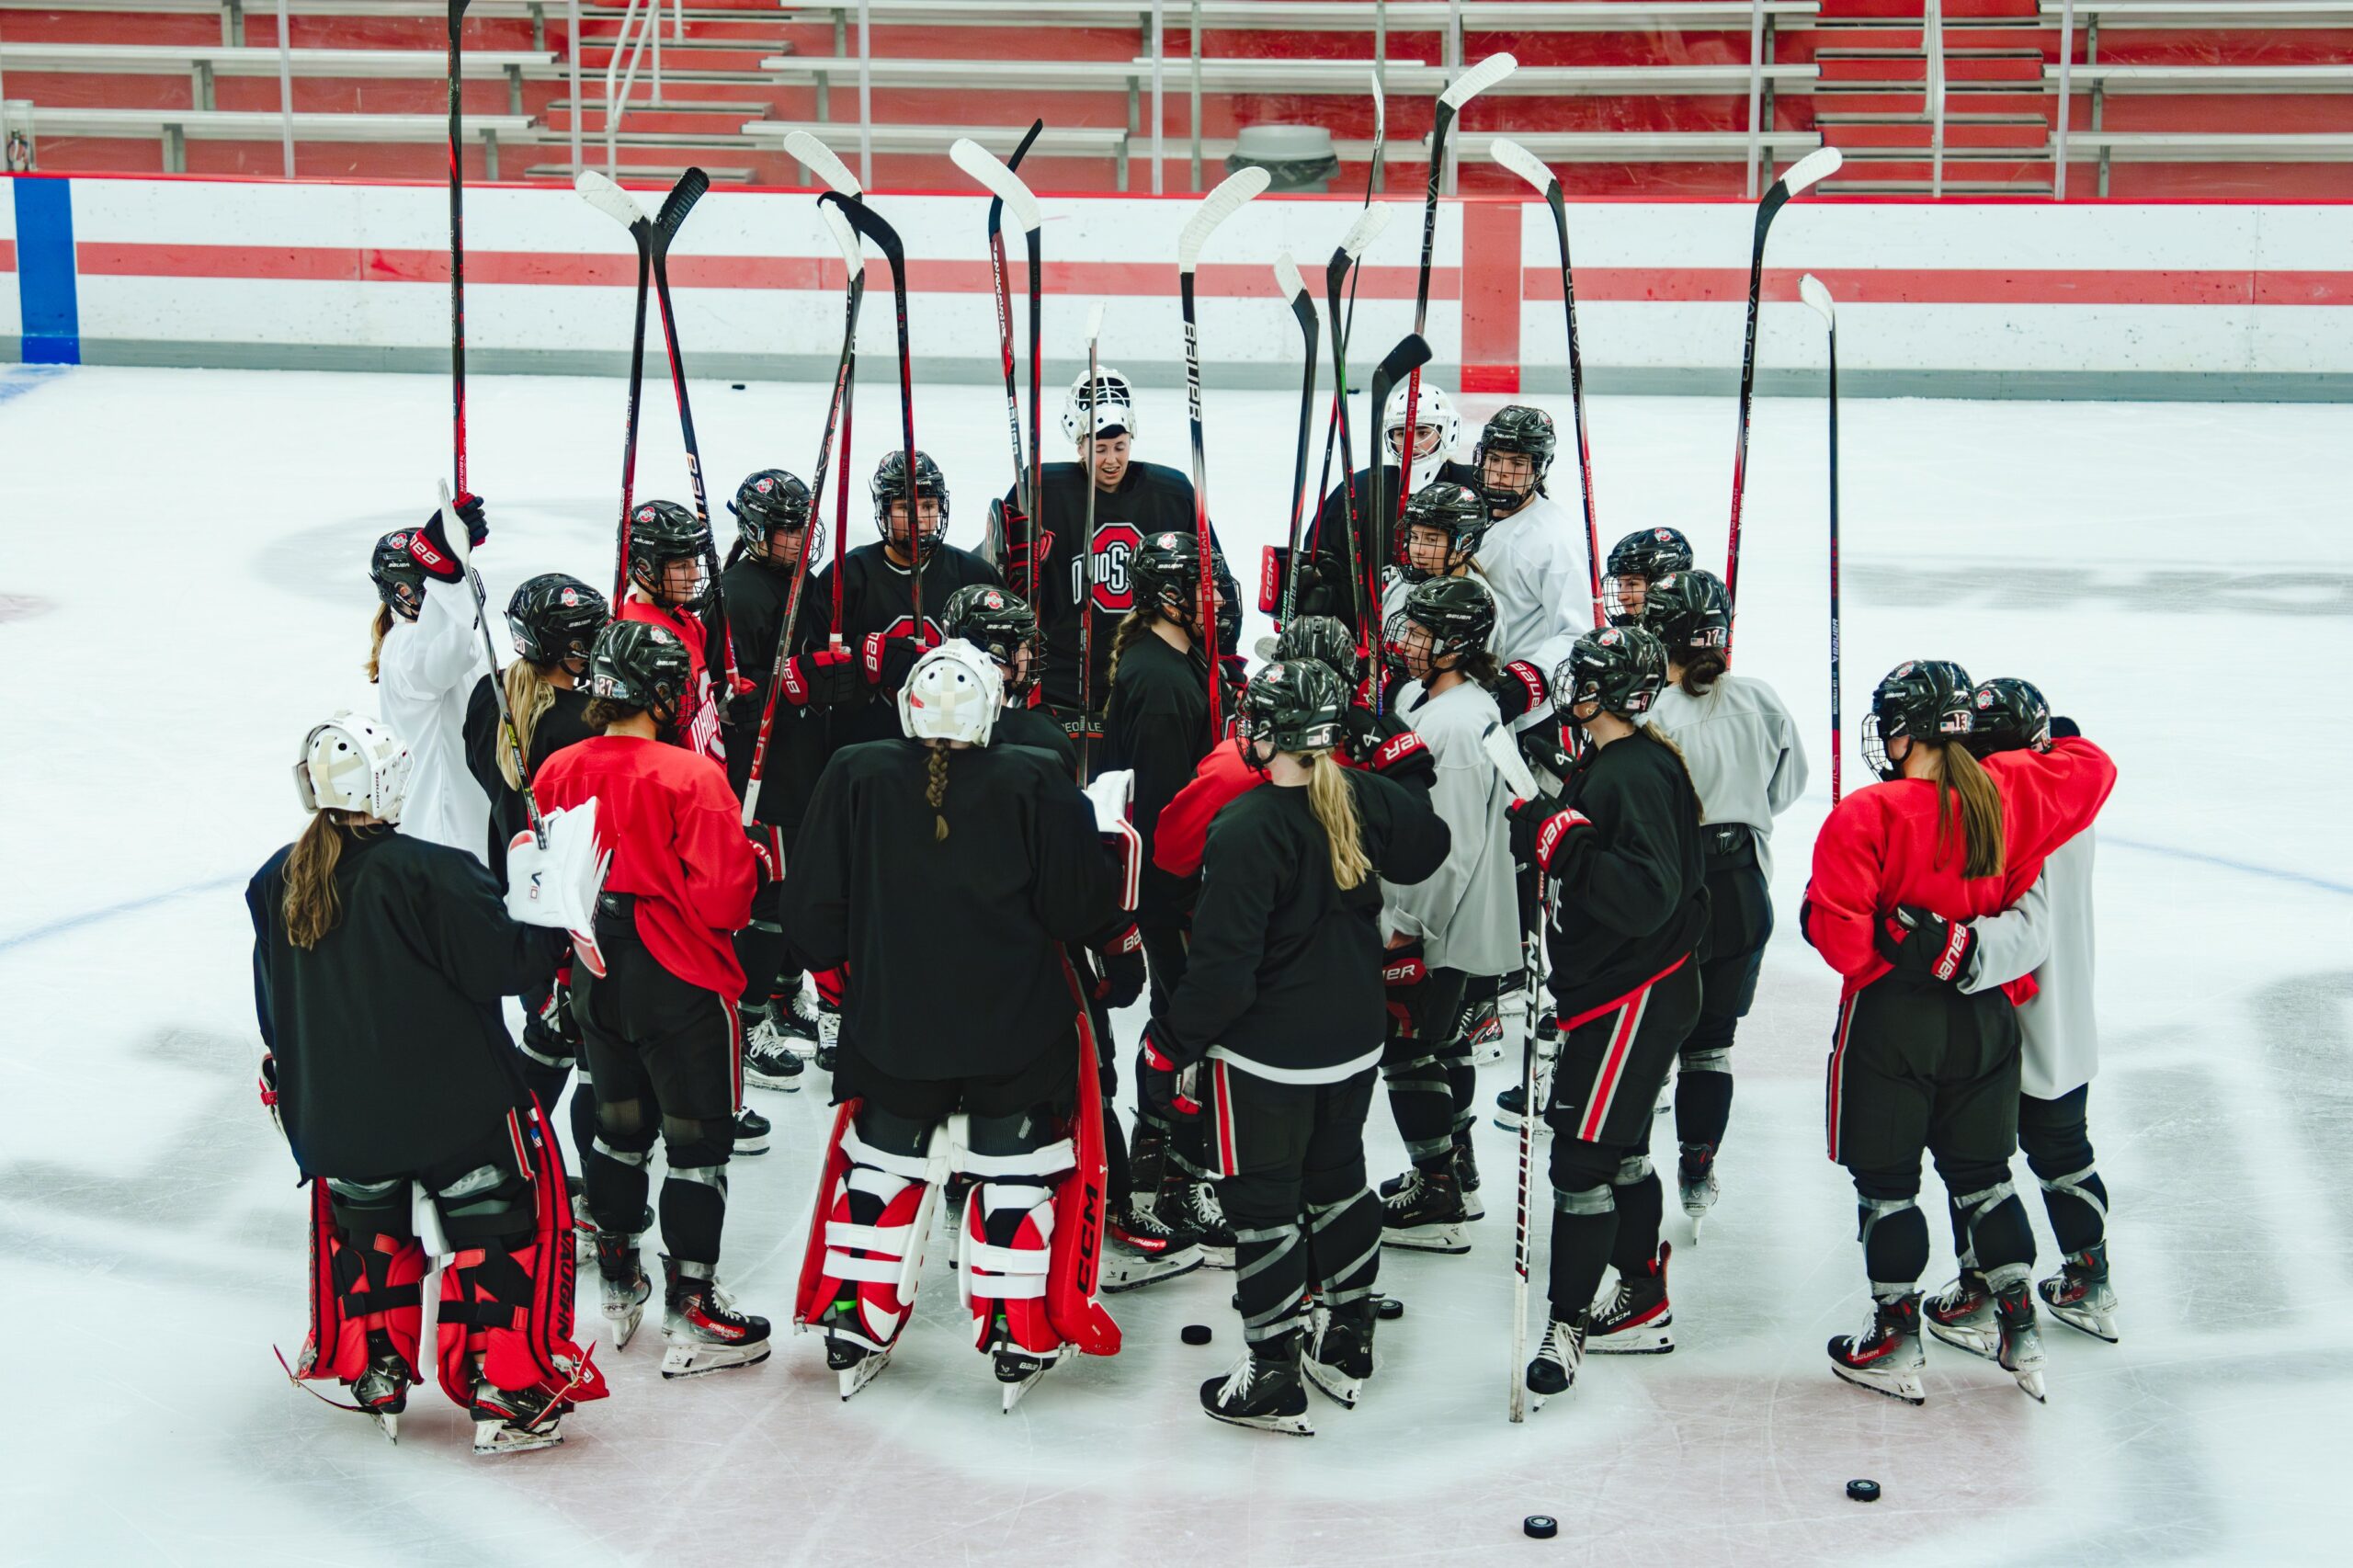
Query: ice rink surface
[183,591]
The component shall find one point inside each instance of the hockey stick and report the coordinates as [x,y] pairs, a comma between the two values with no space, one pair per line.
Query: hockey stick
[1302,306]
[1006,189]
[1343,326]
[453,528]
[1809,170]
[457,247]
[863,219]
[1812,291]
[854,261]
[1460,91]
[819,160]
[1086,559]
[1406,359]
[1527,166]
[1213,209]
[1523,1216]
[652,237]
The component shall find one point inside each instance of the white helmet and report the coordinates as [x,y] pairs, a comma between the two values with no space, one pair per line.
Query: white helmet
[954,693]
[1433,407]
[1115,407]
[352,763]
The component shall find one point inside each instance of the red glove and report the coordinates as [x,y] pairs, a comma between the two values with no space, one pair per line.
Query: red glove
[768,848]
[268,1086]
[1018,560]
[1926,946]
[888,660]
[1544,838]
[1405,975]
[1120,960]
[1158,1075]
[826,678]
[1522,690]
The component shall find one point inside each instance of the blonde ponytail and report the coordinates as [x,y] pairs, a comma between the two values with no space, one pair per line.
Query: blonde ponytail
[382,624]
[529,694]
[1335,805]
[311,908]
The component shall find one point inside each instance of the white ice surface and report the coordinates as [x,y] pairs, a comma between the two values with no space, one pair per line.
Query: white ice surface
[182,593]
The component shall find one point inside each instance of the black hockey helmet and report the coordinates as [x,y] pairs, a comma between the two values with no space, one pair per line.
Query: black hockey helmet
[890,487]
[1000,623]
[555,618]
[1456,614]
[1620,667]
[1294,707]
[1455,510]
[1689,609]
[1926,700]
[1322,637]
[1635,562]
[765,502]
[659,533]
[1517,428]
[399,581]
[2007,715]
[640,666]
[1166,572]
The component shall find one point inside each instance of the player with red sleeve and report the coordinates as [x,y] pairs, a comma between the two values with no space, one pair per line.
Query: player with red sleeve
[1898,869]
[654,991]
[672,575]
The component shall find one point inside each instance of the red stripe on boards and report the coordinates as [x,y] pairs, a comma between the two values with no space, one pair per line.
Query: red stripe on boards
[1948,286]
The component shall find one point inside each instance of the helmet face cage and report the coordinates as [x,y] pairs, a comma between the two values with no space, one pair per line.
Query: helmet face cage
[662,533]
[954,693]
[1528,431]
[769,501]
[890,489]
[1619,669]
[1454,510]
[2009,714]
[1688,611]
[641,667]
[352,764]
[1003,626]
[1635,562]
[1432,409]
[1115,408]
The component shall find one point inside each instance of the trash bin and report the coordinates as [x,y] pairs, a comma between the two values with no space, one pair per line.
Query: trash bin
[1296,157]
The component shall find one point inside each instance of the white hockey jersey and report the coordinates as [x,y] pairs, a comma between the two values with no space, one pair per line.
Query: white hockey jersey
[2048,934]
[1743,749]
[1543,598]
[426,672]
[1467,913]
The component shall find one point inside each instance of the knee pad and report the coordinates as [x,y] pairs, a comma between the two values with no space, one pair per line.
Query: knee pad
[1708,1058]
[699,1149]
[1976,1205]
[881,1207]
[1632,1169]
[366,1274]
[1872,1213]
[1585,1200]
[1006,1243]
[622,1125]
[489,1202]
[1576,1164]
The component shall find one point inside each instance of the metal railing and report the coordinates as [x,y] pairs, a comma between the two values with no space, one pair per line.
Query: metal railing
[2066,100]
[1932,27]
[642,22]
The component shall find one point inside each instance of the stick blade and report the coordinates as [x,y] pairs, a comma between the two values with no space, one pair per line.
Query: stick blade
[1812,290]
[1094,323]
[691,187]
[1413,352]
[853,254]
[1214,209]
[1811,170]
[1524,163]
[1380,108]
[609,199]
[1368,228]
[1286,276]
[819,160]
[1001,182]
[1477,80]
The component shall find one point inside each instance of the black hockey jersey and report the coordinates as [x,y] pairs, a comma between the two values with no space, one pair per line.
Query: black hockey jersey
[1158,724]
[559,727]
[1629,897]
[954,944]
[1036,727]
[877,596]
[756,595]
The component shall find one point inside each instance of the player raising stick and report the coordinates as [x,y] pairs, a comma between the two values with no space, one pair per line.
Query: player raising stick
[428,643]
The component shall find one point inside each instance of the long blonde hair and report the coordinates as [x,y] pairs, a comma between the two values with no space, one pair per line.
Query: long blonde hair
[311,906]
[529,694]
[1335,805]
[378,628]
[1969,805]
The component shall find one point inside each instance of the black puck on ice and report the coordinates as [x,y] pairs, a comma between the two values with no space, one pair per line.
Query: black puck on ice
[1543,1526]
[1863,1491]
[1195,1333]
[1389,1309]
[736,386]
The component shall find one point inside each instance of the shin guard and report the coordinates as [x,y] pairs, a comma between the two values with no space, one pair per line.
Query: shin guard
[866,1248]
[361,1279]
[1005,1250]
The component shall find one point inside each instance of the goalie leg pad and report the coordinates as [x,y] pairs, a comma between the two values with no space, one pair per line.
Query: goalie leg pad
[866,1288]
[1008,1239]
[366,1273]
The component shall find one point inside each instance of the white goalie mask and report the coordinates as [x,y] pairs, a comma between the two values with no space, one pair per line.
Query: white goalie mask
[352,763]
[954,693]
[1433,407]
[1115,407]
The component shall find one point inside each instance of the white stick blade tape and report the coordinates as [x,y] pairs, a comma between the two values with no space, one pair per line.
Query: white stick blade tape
[1380,107]
[1095,322]
[1811,169]
[1287,275]
[819,160]
[1367,228]
[1216,207]
[1478,79]
[1814,292]
[453,528]
[609,199]
[853,258]
[1521,161]
[1003,183]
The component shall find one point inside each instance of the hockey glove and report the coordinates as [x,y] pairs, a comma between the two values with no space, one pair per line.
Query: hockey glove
[1923,946]
[1522,690]
[768,848]
[1159,1074]
[1383,743]
[1805,923]
[268,1086]
[2065,729]
[1405,976]
[1540,748]
[429,546]
[1019,558]
[888,660]
[1119,973]
[825,679]
[1545,838]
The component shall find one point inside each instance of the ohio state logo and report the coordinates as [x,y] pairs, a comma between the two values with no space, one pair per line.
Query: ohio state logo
[1115,548]
[765,486]
[569,598]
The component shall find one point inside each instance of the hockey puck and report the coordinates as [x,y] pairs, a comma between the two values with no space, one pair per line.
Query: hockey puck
[1863,1491]
[1543,1526]
[1195,1333]
[1389,1309]
[736,386]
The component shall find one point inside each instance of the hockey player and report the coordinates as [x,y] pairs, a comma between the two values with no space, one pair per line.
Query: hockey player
[1340,545]
[1443,929]
[1626,903]
[878,603]
[1916,1063]
[554,620]
[940,867]
[1528,556]
[380,960]
[427,648]
[671,569]
[1749,765]
[2048,934]
[655,984]
[1635,562]
[1282,1003]
[772,519]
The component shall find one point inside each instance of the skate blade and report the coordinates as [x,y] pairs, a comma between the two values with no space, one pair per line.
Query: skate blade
[1014,1391]
[388,1422]
[763,1081]
[1333,1384]
[1472,1207]
[624,1325]
[1448,1238]
[1985,1343]
[1536,1401]
[1906,1386]
[693,1360]
[1288,1426]
[504,1438]
[2099,1325]
[756,1146]
[852,1378]
[1216,1257]
[1152,1272]
[1650,1339]
[2031,1384]
[1699,1219]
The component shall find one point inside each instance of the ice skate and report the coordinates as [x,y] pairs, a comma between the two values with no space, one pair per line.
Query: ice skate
[1264,1389]
[1339,1352]
[514,1421]
[798,1020]
[381,1391]
[1187,1203]
[829,1034]
[625,1287]
[584,1227]
[1636,1319]
[853,1359]
[1425,1214]
[1017,1370]
[703,1331]
[1558,1360]
[1695,1179]
[1885,1357]
[1482,1031]
[1962,1314]
[2079,1294]
[752,1132]
[2021,1341]
[770,1061]
[1507,1112]
[1141,1249]
[1466,1176]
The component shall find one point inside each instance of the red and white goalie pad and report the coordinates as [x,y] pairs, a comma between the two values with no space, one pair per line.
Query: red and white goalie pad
[1080,1206]
[359,1282]
[1005,1254]
[866,1240]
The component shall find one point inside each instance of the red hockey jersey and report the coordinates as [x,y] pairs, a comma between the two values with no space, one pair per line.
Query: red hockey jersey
[699,718]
